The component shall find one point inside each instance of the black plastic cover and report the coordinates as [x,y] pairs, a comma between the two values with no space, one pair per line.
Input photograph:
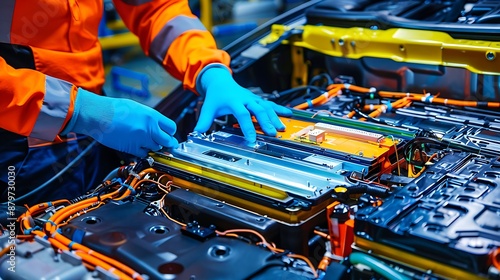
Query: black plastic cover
[155,246]
[449,214]
[190,206]
[462,19]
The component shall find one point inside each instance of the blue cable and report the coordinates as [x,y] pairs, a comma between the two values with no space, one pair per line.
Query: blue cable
[377,266]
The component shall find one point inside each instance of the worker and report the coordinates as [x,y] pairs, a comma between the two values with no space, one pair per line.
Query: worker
[51,78]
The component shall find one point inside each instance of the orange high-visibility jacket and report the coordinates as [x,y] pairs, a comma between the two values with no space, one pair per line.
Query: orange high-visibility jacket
[63,38]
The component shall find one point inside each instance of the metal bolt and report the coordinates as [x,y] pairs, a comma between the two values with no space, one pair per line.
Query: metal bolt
[340,213]
[341,209]
[353,44]
[341,42]
[475,244]
[490,56]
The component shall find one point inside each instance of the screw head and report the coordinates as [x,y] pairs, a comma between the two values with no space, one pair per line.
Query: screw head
[490,56]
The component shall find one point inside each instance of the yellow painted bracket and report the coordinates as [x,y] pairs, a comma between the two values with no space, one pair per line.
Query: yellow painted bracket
[206,13]
[118,41]
[277,30]
[398,44]
[116,25]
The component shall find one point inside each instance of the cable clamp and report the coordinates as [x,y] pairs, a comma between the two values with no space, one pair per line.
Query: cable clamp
[132,190]
[52,223]
[28,231]
[309,103]
[389,106]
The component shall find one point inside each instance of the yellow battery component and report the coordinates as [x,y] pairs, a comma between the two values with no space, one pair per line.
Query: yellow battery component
[416,261]
[182,171]
[316,135]
[341,139]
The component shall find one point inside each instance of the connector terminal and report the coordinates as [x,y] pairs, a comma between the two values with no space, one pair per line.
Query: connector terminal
[350,132]
[316,135]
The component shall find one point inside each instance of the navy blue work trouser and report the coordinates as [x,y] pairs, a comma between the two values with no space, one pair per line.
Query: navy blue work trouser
[32,166]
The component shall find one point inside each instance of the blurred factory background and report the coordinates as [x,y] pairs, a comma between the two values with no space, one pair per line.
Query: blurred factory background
[129,73]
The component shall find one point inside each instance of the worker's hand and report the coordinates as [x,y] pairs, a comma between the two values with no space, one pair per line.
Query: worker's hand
[223,96]
[121,124]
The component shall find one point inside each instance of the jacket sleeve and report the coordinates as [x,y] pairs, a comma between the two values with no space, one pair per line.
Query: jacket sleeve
[33,104]
[170,34]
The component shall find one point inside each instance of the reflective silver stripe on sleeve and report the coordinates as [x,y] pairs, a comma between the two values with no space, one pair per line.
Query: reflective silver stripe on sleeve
[6,14]
[135,2]
[173,29]
[54,109]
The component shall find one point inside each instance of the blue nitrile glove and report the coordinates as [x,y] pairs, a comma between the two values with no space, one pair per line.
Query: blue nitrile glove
[223,96]
[121,124]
